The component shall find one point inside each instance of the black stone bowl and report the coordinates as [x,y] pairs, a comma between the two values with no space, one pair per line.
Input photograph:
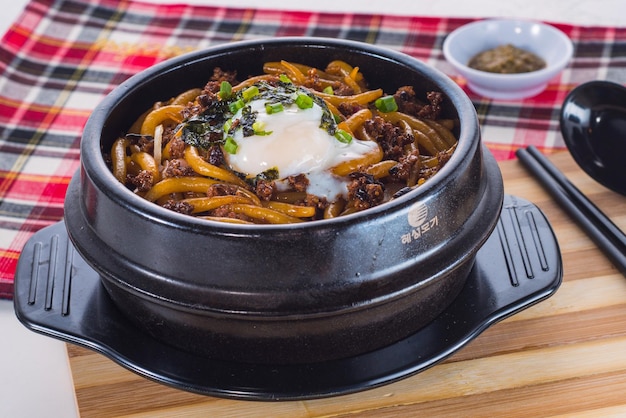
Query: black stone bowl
[284,294]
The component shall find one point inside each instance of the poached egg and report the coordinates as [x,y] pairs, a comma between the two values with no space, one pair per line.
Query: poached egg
[293,141]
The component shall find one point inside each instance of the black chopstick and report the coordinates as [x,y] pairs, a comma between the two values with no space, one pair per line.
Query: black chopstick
[606,235]
[604,223]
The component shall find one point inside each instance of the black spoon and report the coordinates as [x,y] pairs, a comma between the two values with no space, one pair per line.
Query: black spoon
[593,124]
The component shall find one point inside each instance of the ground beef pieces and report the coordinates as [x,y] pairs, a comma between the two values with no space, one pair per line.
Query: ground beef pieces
[407,166]
[145,143]
[392,139]
[298,183]
[179,206]
[205,99]
[315,201]
[265,189]
[227,212]
[177,168]
[223,212]
[349,108]
[215,155]
[408,103]
[177,148]
[213,85]
[342,89]
[313,81]
[222,190]
[433,108]
[191,110]
[143,181]
[365,191]
[221,75]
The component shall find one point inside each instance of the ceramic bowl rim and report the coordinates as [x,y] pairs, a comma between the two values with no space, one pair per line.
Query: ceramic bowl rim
[95,166]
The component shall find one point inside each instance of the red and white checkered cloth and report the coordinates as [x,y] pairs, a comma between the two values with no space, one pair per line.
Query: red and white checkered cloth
[62,57]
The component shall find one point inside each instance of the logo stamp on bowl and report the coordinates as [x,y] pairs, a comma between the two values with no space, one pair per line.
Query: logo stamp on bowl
[420,221]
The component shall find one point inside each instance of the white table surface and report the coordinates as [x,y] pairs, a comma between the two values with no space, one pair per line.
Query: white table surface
[35,378]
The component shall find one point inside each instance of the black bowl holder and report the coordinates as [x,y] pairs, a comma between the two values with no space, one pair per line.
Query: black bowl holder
[58,294]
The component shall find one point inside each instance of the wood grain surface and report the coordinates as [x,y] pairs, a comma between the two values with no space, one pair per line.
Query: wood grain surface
[564,356]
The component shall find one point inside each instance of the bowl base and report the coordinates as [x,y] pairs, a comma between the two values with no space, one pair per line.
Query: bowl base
[58,294]
[293,340]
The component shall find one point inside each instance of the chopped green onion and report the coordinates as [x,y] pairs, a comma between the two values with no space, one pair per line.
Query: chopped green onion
[228,124]
[284,78]
[271,108]
[328,90]
[236,105]
[230,146]
[249,93]
[386,104]
[304,101]
[343,136]
[259,128]
[225,90]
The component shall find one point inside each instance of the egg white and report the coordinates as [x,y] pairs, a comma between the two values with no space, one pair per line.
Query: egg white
[295,144]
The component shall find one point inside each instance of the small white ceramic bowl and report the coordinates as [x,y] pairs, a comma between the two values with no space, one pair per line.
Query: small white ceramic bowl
[546,41]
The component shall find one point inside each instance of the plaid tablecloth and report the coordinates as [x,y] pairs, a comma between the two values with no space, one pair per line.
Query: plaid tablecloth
[62,57]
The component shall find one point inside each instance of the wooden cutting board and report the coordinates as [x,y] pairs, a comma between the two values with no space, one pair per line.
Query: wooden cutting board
[563,356]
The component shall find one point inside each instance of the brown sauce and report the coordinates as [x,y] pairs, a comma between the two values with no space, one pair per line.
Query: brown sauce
[506,59]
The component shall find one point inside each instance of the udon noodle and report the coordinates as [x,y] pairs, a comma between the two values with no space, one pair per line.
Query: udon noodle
[294,144]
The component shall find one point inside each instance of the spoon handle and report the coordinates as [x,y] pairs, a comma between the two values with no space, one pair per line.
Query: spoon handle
[597,225]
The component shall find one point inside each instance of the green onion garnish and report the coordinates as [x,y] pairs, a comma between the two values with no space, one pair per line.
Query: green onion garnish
[304,101]
[225,90]
[271,108]
[228,124]
[259,128]
[230,146]
[284,78]
[343,136]
[328,90]
[386,104]
[236,105]
[249,93]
